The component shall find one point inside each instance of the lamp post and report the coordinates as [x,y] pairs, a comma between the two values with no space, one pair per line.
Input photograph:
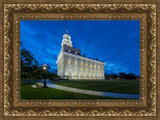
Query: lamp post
[45,75]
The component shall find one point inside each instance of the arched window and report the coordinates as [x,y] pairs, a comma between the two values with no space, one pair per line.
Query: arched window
[69,73]
[98,67]
[90,66]
[69,62]
[75,73]
[81,74]
[86,74]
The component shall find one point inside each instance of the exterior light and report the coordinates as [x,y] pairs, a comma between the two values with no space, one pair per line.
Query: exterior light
[45,67]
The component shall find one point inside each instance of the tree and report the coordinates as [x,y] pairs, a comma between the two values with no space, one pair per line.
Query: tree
[130,76]
[29,66]
[122,75]
[112,76]
[106,76]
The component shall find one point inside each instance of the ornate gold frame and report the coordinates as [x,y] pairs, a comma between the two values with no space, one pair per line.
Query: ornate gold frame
[13,11]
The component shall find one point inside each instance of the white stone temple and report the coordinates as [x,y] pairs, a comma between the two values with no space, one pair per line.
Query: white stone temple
[72,65]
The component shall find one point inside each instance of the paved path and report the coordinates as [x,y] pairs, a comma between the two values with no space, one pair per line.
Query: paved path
[91,92]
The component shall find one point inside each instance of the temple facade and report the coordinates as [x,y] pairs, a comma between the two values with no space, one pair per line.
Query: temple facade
[72,65]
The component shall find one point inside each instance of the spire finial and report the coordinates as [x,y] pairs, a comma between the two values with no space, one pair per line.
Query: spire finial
[66,31]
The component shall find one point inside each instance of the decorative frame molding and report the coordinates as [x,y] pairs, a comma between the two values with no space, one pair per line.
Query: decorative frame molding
[147,13]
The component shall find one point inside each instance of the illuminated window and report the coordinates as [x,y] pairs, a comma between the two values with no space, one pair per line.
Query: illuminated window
[81,64]
[98,67]
[81,73]
[90,66]
[75,52]
[69,50]
[75,62]
[75,73]
[69,62]
[94,66]
[86,65]
[76,68]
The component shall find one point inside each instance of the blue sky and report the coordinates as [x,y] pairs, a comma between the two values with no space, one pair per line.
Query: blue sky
[116,42]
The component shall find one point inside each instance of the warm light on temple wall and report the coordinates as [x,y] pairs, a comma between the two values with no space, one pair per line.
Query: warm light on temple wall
[86,65]
[69,50]
[81,64]
[76,68]
[94,66]
[75,52]
[75,62]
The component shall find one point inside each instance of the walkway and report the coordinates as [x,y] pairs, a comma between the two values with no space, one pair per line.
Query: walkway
[91,92]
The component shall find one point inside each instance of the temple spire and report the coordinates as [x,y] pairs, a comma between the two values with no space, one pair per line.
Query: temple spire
[66,31]
[66,39]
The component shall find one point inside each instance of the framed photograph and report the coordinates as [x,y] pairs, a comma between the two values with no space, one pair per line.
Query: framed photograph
[69,69]
[79,59]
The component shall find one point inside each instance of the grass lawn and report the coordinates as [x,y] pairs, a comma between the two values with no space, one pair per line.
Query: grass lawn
[117,86]
[27,92]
